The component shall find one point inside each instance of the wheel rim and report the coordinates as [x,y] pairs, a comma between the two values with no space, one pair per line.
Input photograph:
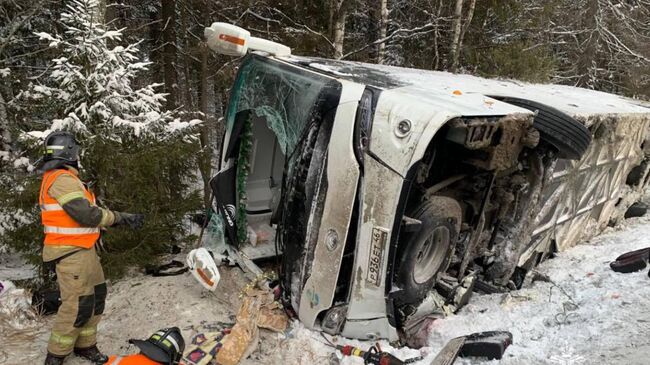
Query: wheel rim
[431,255]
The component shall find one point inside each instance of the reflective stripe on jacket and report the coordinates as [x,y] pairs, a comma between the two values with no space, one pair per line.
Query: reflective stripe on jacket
[138,359]
[60,228]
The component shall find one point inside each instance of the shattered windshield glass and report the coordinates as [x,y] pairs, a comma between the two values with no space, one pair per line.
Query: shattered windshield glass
[284,97]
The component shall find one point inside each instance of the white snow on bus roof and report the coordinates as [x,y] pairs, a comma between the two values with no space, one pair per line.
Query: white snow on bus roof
[329,69]
[571,100]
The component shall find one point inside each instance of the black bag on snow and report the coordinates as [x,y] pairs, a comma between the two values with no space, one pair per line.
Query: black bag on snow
[46,301]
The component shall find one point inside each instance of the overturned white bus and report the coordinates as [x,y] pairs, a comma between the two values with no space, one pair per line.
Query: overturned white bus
[394,193]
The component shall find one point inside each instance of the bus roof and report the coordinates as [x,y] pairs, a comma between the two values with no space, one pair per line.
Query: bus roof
[575,101]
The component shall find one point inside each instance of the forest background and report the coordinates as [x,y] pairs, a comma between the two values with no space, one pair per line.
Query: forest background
[157,157]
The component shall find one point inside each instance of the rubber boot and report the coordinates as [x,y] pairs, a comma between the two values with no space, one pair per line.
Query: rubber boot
[91,354]
[53,359]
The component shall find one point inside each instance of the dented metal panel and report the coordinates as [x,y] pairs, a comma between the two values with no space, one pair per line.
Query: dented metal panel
[583,196]
[395,149]
[380,194]
[342,172]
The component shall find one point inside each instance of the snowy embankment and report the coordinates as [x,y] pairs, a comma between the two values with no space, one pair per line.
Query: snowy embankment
[13,267]
[586,314]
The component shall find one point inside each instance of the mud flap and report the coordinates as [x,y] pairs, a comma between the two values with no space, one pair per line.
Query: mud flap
[631,261]
[223,188]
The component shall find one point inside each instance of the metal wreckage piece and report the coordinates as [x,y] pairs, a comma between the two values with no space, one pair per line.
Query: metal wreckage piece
[556,205]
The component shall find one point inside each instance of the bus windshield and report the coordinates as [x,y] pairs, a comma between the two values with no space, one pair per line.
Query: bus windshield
[286,97]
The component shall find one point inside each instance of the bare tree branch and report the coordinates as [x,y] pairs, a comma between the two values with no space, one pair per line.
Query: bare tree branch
[399,33]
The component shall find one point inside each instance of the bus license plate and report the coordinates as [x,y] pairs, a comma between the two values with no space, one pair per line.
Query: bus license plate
[379,237]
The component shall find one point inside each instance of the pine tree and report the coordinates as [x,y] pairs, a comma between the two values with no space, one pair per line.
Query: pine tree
[91,81]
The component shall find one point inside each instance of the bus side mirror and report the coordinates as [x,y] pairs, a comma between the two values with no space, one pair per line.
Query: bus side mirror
[231,40]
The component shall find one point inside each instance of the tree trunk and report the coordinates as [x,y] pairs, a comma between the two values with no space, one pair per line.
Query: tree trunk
[379,16]
[586,55]
[207,106]
[112,14]
[339,17]
[189,44]
[455,38]
[468,21]
[169,51]
[99,12]
[382,20]
[436,36]
[155,54]
[5,135]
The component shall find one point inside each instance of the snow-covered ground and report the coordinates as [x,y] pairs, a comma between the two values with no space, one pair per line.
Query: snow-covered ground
[587,315]
[13,267]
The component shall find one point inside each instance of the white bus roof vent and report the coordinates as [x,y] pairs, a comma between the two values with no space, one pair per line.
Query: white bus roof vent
[231,40]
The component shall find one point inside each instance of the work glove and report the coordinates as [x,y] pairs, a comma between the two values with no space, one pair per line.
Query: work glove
[135,221]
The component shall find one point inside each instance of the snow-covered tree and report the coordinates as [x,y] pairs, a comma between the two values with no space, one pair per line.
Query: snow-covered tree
[91,82]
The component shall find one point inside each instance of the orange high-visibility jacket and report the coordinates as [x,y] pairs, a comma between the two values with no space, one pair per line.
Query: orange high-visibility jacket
[60,228]
[138,359]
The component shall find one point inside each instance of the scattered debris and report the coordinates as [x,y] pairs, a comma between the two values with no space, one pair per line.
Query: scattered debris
[638,209]
[19,323]
[204,347]
[242,340]
[631,261]
[510,299]
[203,268]
[46,301]
[165,269]
[450,352]
[373,356]
[15,308]
[259,310]
[567,316]
[491,344]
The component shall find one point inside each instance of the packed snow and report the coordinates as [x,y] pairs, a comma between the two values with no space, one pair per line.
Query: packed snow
[585,314]
[13,267]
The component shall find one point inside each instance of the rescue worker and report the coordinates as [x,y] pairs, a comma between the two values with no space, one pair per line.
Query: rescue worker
[71,221]
[163,347]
